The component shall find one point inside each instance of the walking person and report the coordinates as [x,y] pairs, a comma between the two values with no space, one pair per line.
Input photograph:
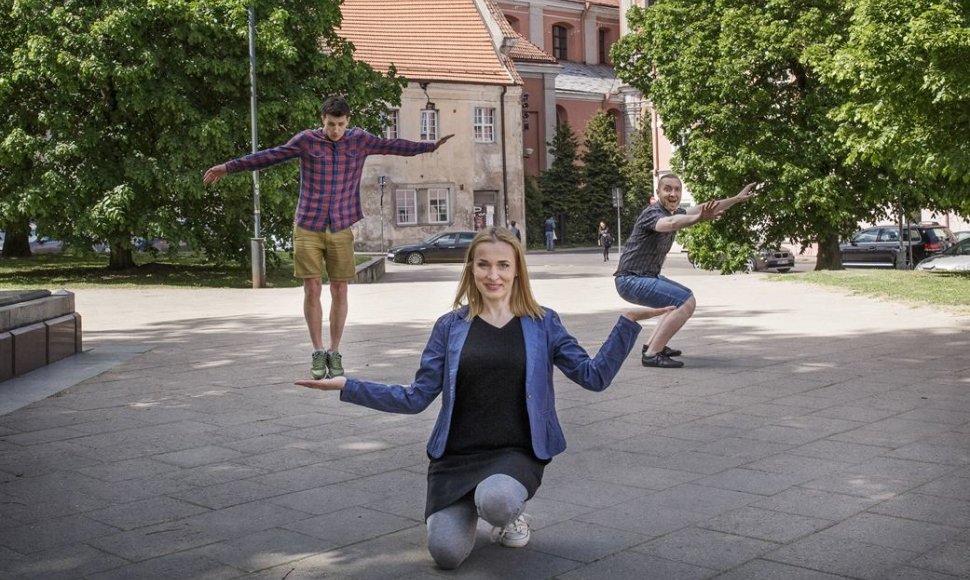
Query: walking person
[550,228]
[491,361]
[331,162]
[605,240]
[515,230]
[637,277]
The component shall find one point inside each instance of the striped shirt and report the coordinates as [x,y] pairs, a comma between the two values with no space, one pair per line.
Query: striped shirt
[646,249]
[329,172]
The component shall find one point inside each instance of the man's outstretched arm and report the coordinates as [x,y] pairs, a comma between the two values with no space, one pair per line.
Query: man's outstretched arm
[746,193]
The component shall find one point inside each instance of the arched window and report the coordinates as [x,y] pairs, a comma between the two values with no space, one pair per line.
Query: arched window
[560,36]
[561,118]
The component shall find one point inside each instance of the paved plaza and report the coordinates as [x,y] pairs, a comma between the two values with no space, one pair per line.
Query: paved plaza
[812,435]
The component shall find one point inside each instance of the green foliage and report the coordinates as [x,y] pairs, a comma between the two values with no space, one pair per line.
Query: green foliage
[602,170]
[534,215]
[904,70]
[735,84]
[110,112]
[638,175]
[560,184]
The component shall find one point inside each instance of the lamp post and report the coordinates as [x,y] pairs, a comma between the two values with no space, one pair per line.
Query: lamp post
[257,248]
[618,204]
[381,181]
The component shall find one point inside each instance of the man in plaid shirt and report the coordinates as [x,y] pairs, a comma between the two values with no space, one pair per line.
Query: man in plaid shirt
[331,162]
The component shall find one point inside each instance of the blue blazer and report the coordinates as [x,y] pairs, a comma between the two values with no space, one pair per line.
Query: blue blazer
[547,343]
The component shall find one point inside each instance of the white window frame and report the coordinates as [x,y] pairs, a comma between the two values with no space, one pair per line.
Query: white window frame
[443,198]
[406,200]
[429,125]
[392,122]
[483,123]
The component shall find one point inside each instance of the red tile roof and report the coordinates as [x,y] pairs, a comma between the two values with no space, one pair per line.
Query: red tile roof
[435,40]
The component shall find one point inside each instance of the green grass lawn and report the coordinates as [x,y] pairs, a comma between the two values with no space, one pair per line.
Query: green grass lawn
[48,271]
[951,291]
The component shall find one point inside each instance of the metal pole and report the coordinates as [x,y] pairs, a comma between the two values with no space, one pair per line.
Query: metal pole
[382,180]
[257,248]
[618,204]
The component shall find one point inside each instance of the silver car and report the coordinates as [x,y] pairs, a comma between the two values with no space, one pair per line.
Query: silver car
[956,258]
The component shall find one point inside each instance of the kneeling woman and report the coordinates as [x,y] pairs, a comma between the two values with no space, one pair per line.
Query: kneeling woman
[491,360]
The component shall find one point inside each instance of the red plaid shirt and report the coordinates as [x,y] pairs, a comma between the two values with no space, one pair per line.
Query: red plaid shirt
[329,172]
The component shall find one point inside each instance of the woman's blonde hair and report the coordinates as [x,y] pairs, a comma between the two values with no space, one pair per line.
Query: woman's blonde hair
[523,303]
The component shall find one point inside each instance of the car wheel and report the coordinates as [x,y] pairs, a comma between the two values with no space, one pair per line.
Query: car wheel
[415,258]
[751,266]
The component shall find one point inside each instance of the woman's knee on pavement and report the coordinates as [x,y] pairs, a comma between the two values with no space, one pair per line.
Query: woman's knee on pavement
[447,553]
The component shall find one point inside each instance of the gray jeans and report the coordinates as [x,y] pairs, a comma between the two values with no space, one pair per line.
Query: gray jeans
[499,499]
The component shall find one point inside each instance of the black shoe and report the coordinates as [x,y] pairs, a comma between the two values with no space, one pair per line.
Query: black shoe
[667,351]
[661,360]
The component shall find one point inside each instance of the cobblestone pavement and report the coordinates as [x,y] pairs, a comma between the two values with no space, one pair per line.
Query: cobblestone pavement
[812,435]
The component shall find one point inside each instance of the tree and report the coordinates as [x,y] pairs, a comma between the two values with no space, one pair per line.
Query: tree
[560,184]
[904,70]
[132,101]
[638,175]
[734,83]
[602,170]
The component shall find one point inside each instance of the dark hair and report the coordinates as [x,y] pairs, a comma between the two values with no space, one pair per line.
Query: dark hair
[335,106]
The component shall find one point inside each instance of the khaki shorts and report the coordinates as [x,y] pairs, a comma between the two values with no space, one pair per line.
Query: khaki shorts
[312,249]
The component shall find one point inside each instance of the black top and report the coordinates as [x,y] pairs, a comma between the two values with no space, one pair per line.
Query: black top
[646,249]
[490,399]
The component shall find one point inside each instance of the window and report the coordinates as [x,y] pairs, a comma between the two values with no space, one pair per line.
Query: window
[438,206]
[406,201]
[603,46]
[484,125]
[559,42]
[513,22]
[392,121]
[429,125]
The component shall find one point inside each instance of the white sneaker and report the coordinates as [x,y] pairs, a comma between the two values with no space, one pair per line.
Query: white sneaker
[515,534]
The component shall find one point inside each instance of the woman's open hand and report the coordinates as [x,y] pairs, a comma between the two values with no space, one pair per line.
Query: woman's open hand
[645,313]
[334,384]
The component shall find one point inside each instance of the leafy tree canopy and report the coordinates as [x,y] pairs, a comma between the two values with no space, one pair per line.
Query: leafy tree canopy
[110,111]
[904,70]
[735,85]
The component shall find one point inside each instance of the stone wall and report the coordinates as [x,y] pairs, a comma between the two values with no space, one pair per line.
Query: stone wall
[37,328]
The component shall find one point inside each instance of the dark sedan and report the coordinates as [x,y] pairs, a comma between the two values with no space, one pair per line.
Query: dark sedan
[444,247]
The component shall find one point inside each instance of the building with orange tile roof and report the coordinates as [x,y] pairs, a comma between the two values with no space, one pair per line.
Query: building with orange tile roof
[461,81]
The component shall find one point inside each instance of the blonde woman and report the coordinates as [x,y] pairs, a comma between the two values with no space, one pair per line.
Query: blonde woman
[491,361]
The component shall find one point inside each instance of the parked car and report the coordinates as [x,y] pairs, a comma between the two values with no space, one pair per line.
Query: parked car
[880,246]
[780,259]
[444,247]
[960,236]
[956,258]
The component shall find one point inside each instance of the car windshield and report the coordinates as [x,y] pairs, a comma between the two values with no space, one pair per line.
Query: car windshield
[960,249]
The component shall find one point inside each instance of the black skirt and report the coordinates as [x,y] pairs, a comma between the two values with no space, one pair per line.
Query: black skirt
[454,477]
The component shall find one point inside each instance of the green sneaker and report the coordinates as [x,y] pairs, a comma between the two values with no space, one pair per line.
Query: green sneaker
[318,369]
[336,363]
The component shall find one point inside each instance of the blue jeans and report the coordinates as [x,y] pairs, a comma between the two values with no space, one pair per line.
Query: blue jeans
[653,292]
[549,241]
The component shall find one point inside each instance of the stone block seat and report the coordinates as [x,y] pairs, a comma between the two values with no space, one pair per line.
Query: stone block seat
[37,328]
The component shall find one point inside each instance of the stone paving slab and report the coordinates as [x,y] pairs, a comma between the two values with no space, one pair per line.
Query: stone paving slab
[812,435]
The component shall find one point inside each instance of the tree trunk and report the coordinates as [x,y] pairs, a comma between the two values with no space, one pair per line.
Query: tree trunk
[829,257]
[121,258]
[16,243]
